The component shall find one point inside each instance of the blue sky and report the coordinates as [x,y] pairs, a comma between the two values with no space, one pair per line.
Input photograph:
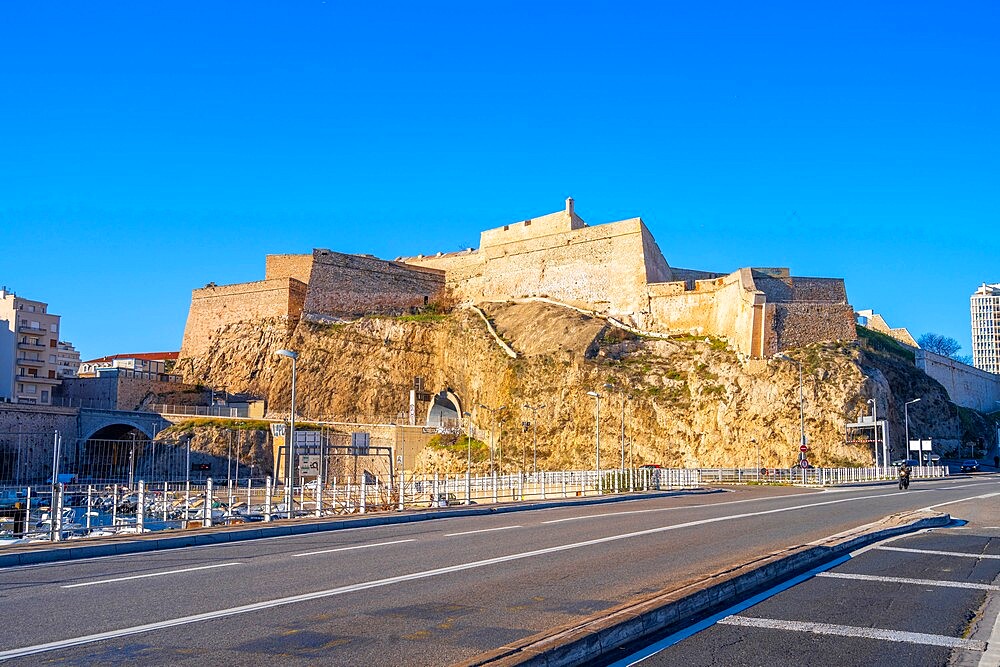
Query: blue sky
[147,149]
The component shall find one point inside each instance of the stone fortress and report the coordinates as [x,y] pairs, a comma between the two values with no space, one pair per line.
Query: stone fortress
[615,270]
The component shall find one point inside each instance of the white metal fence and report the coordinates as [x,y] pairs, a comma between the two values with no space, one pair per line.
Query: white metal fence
[83,510]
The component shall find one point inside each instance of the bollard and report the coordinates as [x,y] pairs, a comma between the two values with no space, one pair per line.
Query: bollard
[206,514]
[114,506]
[267,499]
[319,496]
[90,504]
[140,509]
[402,490]
[55,512]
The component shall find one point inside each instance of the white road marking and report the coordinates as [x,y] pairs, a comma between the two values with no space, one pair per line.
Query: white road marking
[358,546]
[483,530]
[850,631]
[940,553]
[905,580]
[233,611]
[154,574]
[963,500]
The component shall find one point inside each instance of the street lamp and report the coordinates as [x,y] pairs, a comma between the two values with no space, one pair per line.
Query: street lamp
[597,435]
[492,412]
[802,414]
[290,441]
[906,417]
[534,420]
[875,427]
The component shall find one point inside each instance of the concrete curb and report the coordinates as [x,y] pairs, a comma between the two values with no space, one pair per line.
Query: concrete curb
[43,552]
[584,641]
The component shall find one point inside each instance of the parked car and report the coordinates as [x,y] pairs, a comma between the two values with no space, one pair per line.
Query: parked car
[970,465]
[913,463]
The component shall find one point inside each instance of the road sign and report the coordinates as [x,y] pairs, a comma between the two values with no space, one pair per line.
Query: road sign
[803,448]
[763,471]
[309,464]
[803,463]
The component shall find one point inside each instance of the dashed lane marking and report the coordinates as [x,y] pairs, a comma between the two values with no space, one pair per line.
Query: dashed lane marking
[357,546]
[152,574]
[932,552]
[851,631]
[481,530]
[905,580]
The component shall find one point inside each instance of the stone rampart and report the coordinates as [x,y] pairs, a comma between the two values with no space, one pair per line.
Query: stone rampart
[967,386]
[795,324]
[350,286]
[214,307]
[553,223]
[29,430]
[602,268]
[277,267]
[722,307]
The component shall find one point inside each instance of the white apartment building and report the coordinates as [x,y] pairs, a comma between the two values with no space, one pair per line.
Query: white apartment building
[29,336]
[67,360]
[986,328]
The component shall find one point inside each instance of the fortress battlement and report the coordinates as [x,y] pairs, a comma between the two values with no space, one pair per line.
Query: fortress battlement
[614,268]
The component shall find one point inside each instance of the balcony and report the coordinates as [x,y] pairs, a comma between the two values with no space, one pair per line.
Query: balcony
[30,363]
[32,379]
[28,329]
[30,346]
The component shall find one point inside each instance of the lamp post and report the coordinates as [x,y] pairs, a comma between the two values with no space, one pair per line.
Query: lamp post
[534,420]
[906,418]
[597,435]
[492,412]
[875,427]
[468,464]
[290,442]
[802,413]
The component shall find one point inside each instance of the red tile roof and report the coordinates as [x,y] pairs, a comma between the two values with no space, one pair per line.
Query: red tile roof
[148,356]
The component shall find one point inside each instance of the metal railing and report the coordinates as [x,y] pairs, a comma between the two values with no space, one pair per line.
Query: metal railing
[70,511]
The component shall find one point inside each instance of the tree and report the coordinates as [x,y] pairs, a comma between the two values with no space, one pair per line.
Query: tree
[939,344]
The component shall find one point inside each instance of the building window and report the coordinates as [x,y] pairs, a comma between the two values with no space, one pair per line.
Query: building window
[45,396]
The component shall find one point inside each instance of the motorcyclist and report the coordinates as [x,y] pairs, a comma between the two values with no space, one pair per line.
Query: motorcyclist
[904,475]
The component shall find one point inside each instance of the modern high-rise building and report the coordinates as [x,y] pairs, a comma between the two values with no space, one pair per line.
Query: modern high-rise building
[29,338]
[986,328]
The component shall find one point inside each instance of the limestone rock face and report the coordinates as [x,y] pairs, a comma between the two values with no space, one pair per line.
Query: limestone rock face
[687,401]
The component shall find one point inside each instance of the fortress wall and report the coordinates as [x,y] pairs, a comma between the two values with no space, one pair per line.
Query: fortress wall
[350,286]
[288,266]
[553,223]
[657,269]
[217,306]
[967,386]
[800,323]
[827,290]
[459,267]
[601,268]
[721,307]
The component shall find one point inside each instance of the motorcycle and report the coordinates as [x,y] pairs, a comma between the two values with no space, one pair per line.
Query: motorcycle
[904,479]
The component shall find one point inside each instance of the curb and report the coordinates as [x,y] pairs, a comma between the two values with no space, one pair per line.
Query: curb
[583,642]
[34,554]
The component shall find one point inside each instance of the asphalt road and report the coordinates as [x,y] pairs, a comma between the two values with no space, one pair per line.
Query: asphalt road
[928,598]
[432,592]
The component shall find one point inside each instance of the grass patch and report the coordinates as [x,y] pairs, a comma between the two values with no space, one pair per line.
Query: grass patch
[880,343]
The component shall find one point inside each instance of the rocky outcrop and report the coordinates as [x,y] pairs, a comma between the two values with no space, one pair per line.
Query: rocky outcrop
[687,401]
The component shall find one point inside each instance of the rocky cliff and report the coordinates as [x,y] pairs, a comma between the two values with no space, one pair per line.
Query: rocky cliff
[686,401]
